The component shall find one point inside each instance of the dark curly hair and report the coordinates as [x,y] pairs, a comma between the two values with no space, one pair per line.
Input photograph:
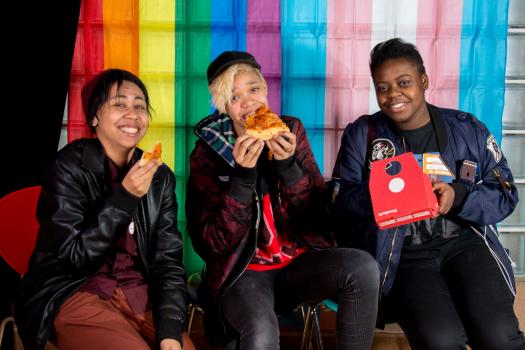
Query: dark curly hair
[395,48]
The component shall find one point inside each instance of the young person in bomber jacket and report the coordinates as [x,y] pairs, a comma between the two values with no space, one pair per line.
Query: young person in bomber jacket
[255,220]
[448,280]
[107,268]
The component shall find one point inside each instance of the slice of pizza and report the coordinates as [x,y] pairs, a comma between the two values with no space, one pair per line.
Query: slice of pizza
[155,154]
[263,124]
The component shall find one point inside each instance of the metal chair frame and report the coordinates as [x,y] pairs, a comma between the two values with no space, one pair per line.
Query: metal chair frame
[311,327]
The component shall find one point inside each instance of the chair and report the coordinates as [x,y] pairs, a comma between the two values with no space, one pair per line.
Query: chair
[193,284]
[18,227]
[18,232]
[330,304]
[309,314]
[314,324]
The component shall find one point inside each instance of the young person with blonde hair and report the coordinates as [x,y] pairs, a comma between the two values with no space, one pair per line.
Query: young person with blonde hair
[256,220]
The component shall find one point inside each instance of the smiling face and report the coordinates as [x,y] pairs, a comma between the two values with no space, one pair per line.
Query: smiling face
[400,91]
[122,121]
[249,92]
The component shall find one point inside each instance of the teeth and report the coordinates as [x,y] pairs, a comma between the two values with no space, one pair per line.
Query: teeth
[398,105]
[129,130]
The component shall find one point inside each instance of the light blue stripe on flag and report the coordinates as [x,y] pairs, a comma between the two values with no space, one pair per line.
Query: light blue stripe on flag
[303,40]
[483,60]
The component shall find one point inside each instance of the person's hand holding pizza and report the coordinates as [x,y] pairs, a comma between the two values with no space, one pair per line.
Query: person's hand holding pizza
[282,145]
[267,126]
[138,179]
[247,150]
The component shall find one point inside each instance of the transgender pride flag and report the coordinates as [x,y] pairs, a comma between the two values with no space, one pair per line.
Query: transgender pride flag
[314,55]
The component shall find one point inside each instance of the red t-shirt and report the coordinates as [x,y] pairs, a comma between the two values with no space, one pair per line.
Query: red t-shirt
[273,250]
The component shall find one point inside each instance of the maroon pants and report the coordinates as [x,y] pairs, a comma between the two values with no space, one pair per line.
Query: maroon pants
[86,321]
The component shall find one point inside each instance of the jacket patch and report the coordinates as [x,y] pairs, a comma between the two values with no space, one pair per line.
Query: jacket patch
[381,149]
[493,147]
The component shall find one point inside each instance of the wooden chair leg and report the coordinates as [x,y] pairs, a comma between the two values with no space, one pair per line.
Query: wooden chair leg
[190,318]
[4,323]
[192,309]
[307,329]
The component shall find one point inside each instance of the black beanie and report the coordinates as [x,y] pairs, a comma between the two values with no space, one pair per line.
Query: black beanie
[226,59]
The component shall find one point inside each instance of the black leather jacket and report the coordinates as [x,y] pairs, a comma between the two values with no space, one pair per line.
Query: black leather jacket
[79,216]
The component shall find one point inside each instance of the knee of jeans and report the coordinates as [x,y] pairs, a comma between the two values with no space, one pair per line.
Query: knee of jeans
[260,333]
[500,338]
[439,340]
[361,266]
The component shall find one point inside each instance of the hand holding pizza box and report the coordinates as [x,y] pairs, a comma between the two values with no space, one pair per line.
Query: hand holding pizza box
[401,193]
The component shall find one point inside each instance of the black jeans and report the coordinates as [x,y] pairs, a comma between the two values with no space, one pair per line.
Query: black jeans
[349,276]
[458,297]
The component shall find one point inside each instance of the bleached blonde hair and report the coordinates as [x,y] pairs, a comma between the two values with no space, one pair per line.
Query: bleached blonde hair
[222,86]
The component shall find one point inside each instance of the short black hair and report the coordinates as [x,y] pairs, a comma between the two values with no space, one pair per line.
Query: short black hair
[395,48]
[96,92]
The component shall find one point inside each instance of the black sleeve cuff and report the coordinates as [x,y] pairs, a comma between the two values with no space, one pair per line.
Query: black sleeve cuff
[289,171]
[124,200]
[460,193]
[169,328]
[242,183]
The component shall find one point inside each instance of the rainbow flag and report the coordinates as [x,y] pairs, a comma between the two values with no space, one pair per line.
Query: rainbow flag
[314,55]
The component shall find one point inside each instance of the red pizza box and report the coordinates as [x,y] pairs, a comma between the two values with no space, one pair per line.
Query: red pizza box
[401,193]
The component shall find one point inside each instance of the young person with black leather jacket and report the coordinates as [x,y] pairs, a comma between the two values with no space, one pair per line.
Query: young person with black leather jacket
[107,268]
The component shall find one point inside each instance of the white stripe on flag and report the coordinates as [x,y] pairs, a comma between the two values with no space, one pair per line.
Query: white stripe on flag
[390,19]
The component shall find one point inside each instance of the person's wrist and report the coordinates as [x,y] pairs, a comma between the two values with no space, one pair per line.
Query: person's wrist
[289,170]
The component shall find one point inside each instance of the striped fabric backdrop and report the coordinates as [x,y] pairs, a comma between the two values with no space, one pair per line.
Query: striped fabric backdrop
[314,55]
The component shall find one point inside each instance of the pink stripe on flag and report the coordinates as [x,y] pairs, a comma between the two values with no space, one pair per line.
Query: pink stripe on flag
[439,41]
[263,40]
[348,47]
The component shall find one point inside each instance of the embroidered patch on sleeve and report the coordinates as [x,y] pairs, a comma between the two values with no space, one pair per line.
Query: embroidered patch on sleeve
[493,147]
[381,149]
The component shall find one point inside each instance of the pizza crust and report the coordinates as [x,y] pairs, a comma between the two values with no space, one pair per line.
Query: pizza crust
[155,153]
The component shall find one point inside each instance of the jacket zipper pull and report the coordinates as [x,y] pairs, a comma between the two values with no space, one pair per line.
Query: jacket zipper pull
[504,185]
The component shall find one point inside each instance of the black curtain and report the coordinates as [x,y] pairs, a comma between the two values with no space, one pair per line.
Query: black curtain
[39,39]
